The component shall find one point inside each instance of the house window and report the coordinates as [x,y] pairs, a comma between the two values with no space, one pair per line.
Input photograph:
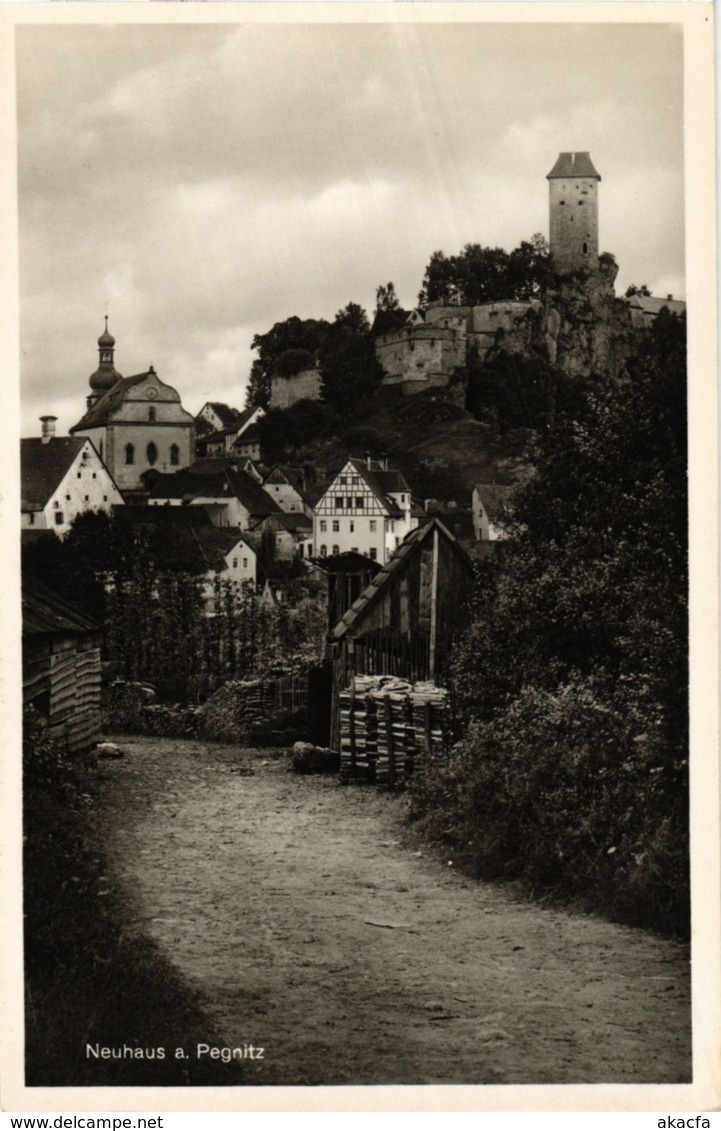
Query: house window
[245,563]
[67,499]
[352,527]
[392,525]
[336,525]
[129,454]
[373,554]
[349,504]
[95,476]
[339,502]
[324,551]
[56,504]
[323,526]
[151,453]
[105,498]
[343,480]
[152,414]
[174,455]
[235,563]
[359,503]
[373,526]
[403,498]
[32,518]
[336,550]
[87,498]
[80,475]
[59,518]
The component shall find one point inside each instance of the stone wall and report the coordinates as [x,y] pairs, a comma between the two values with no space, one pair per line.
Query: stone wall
[304,386]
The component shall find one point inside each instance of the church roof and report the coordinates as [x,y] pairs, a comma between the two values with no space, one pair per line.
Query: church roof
[106,405]
[573,165]
[44,466]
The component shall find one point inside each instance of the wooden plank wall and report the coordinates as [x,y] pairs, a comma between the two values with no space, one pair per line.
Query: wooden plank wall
[62,675]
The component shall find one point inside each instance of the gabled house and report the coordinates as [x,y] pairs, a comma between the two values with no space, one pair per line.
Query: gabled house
[231,498]
[247,444]
[645,309]
[367,509]
[230,558]
[62,477]
[218,415]
[281,537]
[287,485]
[490,510]
[220,441]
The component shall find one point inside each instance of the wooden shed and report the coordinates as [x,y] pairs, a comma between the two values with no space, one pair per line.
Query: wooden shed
[61,666]
[405,622]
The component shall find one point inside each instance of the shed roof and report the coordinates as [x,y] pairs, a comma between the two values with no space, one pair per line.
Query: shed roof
[46,613]
[410,546]
[43,467]
[573,165]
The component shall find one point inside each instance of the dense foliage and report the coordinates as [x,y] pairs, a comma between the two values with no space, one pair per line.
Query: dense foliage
[572,676]
[486,274]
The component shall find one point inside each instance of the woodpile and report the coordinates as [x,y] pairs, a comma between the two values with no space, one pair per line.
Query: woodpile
[388,725]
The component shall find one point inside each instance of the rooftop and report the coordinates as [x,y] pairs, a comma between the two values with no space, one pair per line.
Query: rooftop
[43,467]
[573,165]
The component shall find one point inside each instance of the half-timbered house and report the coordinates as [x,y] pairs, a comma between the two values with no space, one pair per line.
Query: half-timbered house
[367,509]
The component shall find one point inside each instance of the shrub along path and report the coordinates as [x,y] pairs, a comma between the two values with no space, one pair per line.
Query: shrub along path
[313,925]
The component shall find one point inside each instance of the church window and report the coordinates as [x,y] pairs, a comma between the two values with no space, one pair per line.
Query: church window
[324,551]
[336,526]
[152,453]
[323,526]
[129,453]
[152,414]
[174,455]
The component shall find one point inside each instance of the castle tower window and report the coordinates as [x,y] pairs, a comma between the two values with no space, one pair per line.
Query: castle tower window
[174,455]
[151,453]
[585,248]
[129,453]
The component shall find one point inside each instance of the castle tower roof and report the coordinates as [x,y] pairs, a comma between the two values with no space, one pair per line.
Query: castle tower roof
[573,165]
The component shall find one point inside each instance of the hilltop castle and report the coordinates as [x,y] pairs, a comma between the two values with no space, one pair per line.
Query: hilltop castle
[577,323]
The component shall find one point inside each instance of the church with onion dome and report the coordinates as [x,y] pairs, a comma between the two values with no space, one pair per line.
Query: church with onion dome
[135,423]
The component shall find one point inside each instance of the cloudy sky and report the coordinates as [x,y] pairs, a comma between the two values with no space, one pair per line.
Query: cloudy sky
[201,182]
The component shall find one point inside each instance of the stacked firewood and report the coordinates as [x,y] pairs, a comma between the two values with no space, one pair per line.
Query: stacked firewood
[387,725]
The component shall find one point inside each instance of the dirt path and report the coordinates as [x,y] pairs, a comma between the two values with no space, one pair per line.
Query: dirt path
[314,927]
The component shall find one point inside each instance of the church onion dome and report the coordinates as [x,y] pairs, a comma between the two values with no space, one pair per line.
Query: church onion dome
[105,376]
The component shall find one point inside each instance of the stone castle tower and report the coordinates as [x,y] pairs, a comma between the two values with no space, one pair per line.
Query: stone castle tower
[573,201]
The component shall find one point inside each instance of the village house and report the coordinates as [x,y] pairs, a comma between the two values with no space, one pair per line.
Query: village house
[232,498]
[645,309]
[287,485]
[62,477]
[247,445]
[61,666]
[367,509]
[281,537]
[219,440]
[209,465]
[135,423]
[490,510]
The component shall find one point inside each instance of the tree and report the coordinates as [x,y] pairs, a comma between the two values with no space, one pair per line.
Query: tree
[483,274]
[350,369]
[386,297]
[634,290]
[572,676]
[294,334]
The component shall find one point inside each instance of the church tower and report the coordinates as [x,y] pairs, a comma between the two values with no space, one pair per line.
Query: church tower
[573,229]
[106,375]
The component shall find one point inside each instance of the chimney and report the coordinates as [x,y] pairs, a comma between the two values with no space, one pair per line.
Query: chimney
[368,460]
[48,428]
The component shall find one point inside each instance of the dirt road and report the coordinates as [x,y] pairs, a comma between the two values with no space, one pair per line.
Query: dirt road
[315,927]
